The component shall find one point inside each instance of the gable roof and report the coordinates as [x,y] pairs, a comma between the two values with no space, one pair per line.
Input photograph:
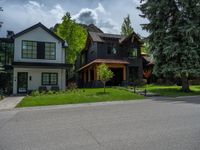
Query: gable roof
[130,36]
[99,37]
[43,27]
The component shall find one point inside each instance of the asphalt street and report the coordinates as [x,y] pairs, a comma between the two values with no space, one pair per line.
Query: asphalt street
[156,124]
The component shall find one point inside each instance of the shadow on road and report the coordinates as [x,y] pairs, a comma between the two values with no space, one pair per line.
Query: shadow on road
[185,99]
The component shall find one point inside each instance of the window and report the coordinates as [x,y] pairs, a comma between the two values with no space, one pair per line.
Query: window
[2,58]
[49,78]
[38,50]
[111,49]
[50,51]
[133,52]
[83,59]
[29,49]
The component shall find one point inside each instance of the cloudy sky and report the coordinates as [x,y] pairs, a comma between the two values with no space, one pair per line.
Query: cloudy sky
[106,14]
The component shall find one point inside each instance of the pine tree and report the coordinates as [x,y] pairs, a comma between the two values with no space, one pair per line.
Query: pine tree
[174,27]
[126,28]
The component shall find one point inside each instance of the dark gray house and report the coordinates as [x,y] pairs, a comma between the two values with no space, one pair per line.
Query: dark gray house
[121,54]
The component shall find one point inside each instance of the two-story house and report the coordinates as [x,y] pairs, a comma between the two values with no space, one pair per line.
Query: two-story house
[121,54]
[39,60]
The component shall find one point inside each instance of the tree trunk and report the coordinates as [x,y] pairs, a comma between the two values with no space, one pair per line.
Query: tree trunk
[185,84]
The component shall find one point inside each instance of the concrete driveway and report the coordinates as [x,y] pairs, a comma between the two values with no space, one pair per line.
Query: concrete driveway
[167,124]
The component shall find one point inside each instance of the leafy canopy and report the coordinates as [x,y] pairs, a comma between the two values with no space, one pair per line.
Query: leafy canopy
[74,34]
[105,74]
[126,28]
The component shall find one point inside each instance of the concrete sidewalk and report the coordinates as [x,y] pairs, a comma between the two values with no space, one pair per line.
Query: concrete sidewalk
[10,102]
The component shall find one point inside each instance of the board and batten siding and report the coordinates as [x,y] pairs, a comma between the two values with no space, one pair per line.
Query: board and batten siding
[38,35]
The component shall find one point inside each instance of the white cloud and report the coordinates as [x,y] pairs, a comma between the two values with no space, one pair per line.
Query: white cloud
[98,16]
[34,3]
[18,17]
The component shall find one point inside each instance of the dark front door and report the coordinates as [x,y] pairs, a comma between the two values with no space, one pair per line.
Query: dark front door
[22,82]
[117,78]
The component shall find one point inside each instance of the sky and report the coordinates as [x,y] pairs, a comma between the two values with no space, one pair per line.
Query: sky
[108,15]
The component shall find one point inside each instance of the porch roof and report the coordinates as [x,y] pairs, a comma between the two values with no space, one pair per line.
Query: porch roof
[105,61]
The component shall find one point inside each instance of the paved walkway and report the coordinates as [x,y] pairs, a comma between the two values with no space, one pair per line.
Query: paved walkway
[10,102]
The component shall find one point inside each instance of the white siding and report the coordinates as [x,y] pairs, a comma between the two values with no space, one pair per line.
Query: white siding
[36,75]
[39,35]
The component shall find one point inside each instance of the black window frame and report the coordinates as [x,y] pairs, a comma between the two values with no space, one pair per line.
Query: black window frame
[49,76]
[31,54]
[135,49]
[51,43]
[110,49]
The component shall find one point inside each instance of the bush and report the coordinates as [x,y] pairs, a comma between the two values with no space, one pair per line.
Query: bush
[50,92]
[72,86]
[55,88]
[35,93]
[42,89]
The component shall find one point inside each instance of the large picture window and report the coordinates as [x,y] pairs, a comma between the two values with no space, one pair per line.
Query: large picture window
[29,49]
[49,78]
[50,51]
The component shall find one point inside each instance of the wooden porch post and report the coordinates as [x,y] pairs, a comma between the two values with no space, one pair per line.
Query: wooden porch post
[124,73]
[89,79]
[84,76]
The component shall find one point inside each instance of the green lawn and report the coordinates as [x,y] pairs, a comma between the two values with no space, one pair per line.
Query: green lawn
[82,96]
[172,91]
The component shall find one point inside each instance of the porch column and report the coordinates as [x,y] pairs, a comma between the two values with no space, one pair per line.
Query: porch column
[124,73]
[95,73]
[89,79]
[84,76]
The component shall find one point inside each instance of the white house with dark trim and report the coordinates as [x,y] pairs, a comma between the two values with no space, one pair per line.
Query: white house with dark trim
[39,60]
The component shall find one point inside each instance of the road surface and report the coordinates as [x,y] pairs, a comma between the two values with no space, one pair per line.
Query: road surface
[157,124]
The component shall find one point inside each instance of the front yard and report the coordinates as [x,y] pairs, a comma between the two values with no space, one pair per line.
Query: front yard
[79,96]
[173,91]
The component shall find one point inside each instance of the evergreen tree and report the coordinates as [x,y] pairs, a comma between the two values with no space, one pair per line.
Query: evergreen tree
[74,34]
[126,28]
[174,27]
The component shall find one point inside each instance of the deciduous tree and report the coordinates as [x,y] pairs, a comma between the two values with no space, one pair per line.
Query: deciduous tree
[105,74]
[74,34]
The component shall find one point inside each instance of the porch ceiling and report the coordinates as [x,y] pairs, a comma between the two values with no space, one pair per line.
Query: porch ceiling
[106,61]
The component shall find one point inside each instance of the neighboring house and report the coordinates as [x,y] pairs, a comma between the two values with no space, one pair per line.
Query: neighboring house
[39,60]
[6,59]
[6,52]
[121,54]
[148,64]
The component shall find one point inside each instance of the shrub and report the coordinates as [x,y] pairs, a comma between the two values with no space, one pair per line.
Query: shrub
[55,88]
[72,86]
[50,92]
[42,89]
[35,93]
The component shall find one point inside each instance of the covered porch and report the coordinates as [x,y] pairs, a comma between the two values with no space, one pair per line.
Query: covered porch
[89,75]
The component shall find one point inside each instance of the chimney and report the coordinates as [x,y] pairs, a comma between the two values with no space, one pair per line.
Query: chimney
[10,34]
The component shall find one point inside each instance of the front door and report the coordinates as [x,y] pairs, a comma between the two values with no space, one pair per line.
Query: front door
[22,82]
